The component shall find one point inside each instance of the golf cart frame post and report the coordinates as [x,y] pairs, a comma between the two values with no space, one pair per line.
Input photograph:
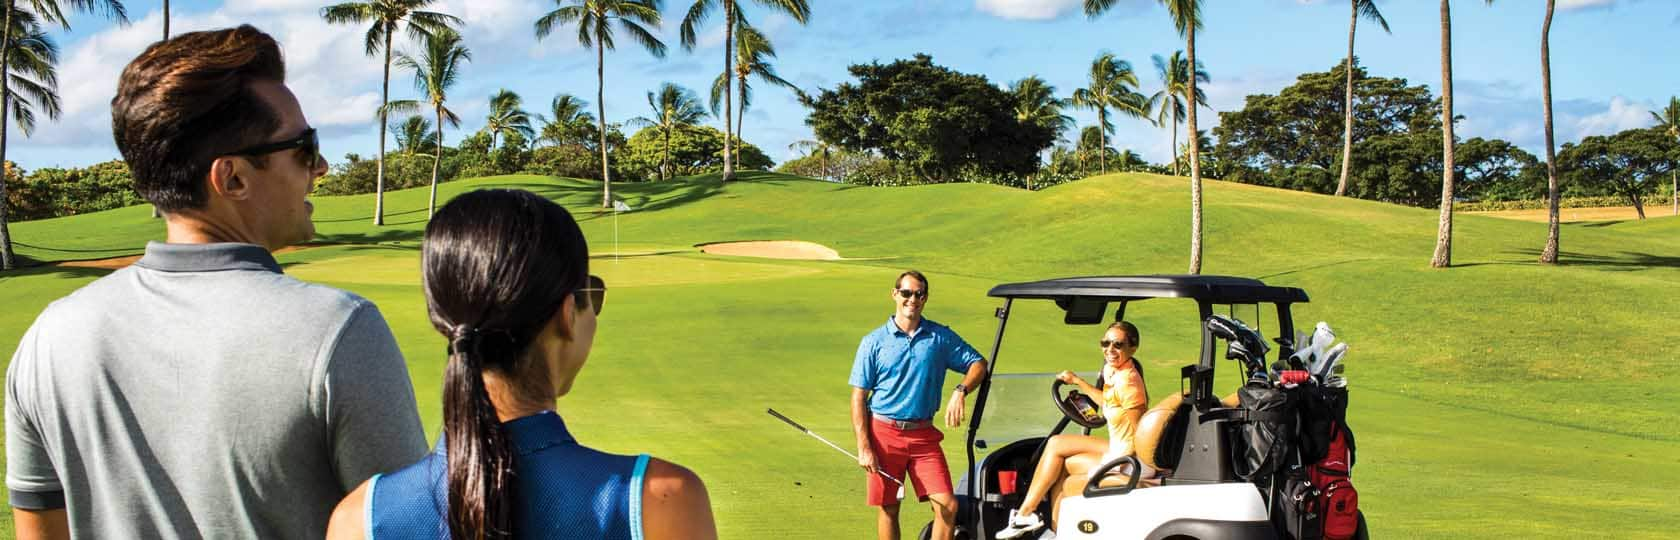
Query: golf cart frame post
[1204,458]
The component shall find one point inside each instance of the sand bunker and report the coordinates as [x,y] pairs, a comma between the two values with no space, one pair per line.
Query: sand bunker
[773,249]
[117,263]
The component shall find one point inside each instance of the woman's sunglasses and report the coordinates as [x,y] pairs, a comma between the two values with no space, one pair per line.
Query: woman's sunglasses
[309,148]
[597,291]
[1113,343]
[908,293]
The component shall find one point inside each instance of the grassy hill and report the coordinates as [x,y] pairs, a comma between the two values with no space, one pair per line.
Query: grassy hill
[1493,398]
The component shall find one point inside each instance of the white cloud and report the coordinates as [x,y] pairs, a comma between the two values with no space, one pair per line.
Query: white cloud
[1622,114]
[1568,5]
[1032,10]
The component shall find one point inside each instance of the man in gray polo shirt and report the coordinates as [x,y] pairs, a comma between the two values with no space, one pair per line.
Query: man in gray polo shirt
[201,392]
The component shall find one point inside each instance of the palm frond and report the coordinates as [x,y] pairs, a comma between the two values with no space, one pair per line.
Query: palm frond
[1367,10]
[644,38]
[697,13]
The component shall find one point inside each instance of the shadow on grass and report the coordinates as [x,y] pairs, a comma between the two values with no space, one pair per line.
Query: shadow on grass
[376,237]
[37,268]
[1628,260]
[369,217]
[122,250]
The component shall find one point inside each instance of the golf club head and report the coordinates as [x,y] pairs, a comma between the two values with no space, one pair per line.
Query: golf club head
[1331,361]
[1242,342]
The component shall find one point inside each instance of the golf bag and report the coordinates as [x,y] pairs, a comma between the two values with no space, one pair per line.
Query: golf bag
[1267,436]
[1317,498]
[1338,502]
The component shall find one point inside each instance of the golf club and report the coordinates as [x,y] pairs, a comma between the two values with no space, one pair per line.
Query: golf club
[836,447]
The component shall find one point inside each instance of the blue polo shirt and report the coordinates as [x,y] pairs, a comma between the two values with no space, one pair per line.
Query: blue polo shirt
[906,371]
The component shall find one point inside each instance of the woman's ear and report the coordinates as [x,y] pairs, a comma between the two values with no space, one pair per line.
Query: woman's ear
[566,318]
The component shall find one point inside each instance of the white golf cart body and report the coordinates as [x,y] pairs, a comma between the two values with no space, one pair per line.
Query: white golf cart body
[1201,498]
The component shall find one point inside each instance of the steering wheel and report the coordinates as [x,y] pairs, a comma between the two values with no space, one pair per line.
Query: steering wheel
[1076,406]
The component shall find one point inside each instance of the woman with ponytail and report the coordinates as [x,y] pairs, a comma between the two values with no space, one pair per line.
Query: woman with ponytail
[506,275]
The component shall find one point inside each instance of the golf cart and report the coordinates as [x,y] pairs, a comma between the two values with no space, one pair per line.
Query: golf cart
[1195,438]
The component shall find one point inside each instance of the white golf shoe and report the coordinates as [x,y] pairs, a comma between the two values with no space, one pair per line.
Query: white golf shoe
[1020,525]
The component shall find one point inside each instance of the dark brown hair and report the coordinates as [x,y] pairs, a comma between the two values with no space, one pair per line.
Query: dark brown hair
[919,277]
[187,100]
[496,265]
[1130,329]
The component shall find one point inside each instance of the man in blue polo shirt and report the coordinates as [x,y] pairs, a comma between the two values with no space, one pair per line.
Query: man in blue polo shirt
[896,380]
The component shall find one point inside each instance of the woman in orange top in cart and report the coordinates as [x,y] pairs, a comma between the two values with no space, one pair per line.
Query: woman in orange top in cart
[1124,400]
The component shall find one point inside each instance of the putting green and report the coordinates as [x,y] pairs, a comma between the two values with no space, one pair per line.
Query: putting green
[1498,398]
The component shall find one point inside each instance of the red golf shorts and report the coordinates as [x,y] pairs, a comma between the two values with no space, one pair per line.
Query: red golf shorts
[915,450]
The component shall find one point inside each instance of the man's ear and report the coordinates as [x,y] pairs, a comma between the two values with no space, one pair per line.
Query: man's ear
[225,180]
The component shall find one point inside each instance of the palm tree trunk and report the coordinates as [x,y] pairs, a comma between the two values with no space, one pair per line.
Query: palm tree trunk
[665,164]
[601,115]
[740,120]
[728,84]
[1347,110]
[1550,254]
[1195,163]
[155,212]
[1102,141]
[384,101]
[6,262]
[1443,234]
[1174,147]
[437,158]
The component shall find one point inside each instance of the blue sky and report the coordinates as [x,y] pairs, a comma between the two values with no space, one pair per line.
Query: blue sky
[1612,60]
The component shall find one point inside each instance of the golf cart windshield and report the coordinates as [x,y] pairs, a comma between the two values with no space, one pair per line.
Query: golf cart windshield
[1018,407]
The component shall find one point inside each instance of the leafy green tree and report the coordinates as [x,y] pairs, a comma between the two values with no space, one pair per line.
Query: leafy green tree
[753,53]
[17,32]
[1111,86]
[1175,85]
[387,18]
[507,117]
[799,10]
[1496,170]
[694,149]
[435,71]
[1036,103]
[1357,8]
[672,106]
[1290,139]
[1669,123]
[567,122]
[1627,164]
[595,31]
[928,119]
[414,135]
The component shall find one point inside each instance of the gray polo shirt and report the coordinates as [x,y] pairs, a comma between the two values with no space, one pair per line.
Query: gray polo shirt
[202,393]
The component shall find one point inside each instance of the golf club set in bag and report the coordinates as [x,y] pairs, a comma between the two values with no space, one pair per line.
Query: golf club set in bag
[1292,430]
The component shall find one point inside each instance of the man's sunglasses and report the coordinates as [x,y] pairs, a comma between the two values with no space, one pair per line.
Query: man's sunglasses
[309,148]
[597,291]
[908,293]
[1113,343]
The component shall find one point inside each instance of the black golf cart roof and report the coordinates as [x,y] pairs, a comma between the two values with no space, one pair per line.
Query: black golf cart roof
[1210,289]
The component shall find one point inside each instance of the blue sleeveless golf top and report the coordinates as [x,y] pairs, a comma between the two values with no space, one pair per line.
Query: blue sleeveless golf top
[565,490]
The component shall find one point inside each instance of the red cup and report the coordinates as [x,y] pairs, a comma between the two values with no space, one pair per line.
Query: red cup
[1006,482]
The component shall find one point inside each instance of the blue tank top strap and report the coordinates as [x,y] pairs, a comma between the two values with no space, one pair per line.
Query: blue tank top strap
[638,479]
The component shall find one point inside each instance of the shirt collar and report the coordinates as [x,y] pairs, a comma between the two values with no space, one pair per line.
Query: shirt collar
[531,433]
[216,257]
[893,329]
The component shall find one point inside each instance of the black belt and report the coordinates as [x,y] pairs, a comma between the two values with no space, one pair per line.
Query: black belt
[904,424]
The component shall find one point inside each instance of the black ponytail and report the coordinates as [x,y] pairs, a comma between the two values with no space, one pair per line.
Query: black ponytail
[496,265]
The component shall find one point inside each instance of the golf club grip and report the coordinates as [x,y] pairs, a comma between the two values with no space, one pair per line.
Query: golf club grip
[786,419]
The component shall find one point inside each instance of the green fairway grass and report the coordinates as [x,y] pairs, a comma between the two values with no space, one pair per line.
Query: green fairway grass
[1499,398]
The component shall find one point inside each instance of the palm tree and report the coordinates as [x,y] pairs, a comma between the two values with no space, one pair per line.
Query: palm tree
[388,18]
[568,115]
[1669,120]
[435,71]
[507,117]
[814,147]
[673,106]
[1443,233]
[42,12]
[1549,255]
[594,21]
[413,134]
[752,51]
[1036,103]
[1111,86]
[1187,17]
[1367,9]
[1169,102]
[799,10]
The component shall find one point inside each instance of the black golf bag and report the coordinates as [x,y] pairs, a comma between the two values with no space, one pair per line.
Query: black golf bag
[1314,497]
